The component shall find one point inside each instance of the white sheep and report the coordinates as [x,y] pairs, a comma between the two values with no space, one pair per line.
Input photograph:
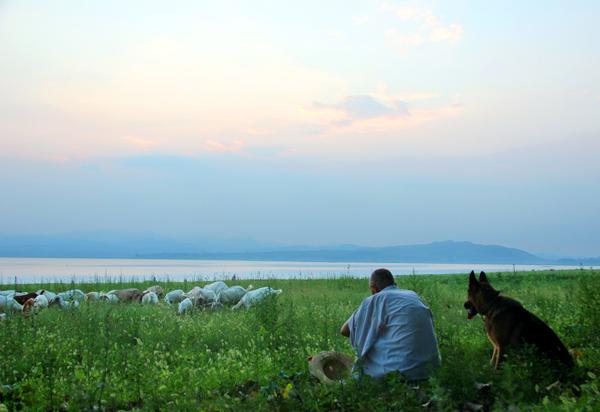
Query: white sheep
[92,296]
[73,294]
[64,304]
[40,301]
[216,287]
[254,297]
[109,297]
[202,295]
[174,296]
[156,289]
[49,295]
[128,295]
[150,298]
[8,293]
[232,295]
[8,303]
[186,305]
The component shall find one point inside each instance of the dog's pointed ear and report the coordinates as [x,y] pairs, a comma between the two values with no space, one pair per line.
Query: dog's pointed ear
[473,279]
[483,277]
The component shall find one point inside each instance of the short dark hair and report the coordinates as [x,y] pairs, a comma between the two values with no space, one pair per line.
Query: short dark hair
[382,278]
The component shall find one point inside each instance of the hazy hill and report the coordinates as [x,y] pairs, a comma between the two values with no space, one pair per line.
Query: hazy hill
[436,252]
[148,245]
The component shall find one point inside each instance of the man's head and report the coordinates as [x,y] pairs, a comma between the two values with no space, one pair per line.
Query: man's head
[380,279]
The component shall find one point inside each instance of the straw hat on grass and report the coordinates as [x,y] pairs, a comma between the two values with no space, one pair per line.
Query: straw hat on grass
[329,367]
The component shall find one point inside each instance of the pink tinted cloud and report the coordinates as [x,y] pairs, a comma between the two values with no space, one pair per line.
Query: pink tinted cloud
[394,121]
[141,143]
[382,112]
[360,107]
[235,146]
[428,28]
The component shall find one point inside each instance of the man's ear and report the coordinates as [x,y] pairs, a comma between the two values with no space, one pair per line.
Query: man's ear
[473,280]
[483,277]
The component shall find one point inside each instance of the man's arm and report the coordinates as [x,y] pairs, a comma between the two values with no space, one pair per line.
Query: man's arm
[345,330]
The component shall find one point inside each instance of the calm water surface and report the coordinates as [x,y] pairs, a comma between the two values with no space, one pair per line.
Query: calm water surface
[98,270]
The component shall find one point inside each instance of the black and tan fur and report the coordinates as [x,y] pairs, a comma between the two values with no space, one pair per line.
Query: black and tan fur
[509,324]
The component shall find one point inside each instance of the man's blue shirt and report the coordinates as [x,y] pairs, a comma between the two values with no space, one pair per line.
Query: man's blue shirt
[393,331]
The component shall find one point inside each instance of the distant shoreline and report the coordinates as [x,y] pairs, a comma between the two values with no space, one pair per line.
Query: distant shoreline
[82,270]
[586,262]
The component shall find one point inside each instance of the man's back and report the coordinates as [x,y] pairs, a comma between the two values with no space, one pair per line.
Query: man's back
[393,331]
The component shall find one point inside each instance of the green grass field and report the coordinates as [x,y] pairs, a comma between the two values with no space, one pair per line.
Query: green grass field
[128,356]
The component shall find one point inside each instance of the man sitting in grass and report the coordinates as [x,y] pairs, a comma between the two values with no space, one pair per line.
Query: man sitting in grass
[392,330]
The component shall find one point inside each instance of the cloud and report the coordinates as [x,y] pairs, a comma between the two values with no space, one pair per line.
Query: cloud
[451,33]
[336,34]
[235,146]
[141,143]
[427,28]
[382,112]
[402,41]
[360,20]
[393,123]
[362,107]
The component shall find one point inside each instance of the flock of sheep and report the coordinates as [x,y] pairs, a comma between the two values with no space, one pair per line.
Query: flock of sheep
[212,296]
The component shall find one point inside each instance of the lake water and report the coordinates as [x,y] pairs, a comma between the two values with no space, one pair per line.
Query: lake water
[97,270]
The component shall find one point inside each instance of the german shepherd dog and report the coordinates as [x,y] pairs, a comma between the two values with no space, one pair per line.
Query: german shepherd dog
[509,324]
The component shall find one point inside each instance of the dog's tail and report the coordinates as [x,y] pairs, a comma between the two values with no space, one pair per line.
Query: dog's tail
[565,356]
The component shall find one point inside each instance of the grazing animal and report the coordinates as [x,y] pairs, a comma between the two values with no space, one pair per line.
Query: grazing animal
[8,303]
[21,298]
[128,295]
[150,298]
[509,324]
[202,295]
[73,294]
[185,306]
[10,293]
[254,297]
[56,301]
[40,301]
[109,297]
[28,306]
[174,296]
[49,295]
[156,289]
[63,303]
[91,296]
[232,295]
[216,287]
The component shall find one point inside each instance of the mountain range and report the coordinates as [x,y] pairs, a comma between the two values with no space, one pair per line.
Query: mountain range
[152,246]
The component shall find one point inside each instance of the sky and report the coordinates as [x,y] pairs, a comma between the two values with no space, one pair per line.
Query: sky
[338,122]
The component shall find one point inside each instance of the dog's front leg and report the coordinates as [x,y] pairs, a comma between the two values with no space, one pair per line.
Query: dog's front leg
[499,356]
[494,352]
